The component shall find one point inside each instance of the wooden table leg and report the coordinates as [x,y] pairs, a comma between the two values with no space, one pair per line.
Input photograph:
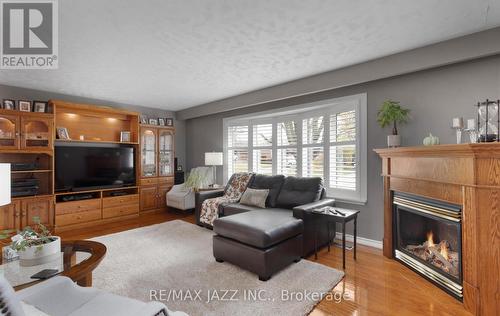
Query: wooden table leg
[85,281]
[355,234]
[343,245]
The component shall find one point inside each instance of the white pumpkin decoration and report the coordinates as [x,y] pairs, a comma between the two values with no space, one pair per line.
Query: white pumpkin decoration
[431,140]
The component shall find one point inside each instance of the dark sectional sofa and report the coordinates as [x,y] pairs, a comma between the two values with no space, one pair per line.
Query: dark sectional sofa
[265,240]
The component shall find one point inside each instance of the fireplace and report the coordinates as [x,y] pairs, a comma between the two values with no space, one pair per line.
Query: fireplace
[427,238]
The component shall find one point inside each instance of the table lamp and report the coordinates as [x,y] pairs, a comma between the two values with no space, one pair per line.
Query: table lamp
[4,183]
[214,159]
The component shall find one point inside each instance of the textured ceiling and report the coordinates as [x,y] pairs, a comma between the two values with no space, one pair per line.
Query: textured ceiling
[174,54]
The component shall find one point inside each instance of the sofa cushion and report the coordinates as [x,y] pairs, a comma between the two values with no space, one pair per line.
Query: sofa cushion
[298,191]
[237,208]
[271,183]
[254,197]
[260,228]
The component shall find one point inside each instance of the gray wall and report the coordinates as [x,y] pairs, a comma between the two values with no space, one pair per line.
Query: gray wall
[434,96]
[16,93]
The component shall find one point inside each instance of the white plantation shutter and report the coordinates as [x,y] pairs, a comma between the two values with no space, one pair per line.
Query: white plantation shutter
[343,166]
[263,135]
[313,130]
[237,149]
[287,153]
[325,139]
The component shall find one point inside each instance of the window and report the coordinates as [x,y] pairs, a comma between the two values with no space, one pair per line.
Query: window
[324,139]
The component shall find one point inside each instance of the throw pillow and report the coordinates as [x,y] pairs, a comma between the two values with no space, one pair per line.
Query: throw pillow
[254,197]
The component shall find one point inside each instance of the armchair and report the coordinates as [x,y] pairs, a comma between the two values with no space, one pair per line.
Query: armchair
[180,197]
[60,296]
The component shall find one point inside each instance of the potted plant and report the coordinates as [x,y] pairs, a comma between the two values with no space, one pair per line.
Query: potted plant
[391,113]
[35,245]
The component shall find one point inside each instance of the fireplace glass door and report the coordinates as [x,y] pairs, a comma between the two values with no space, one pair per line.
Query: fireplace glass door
[428,238]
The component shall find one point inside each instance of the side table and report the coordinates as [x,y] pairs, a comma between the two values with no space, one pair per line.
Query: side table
[329,215]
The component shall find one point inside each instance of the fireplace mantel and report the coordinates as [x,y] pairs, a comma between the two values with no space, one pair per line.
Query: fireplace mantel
[467,175]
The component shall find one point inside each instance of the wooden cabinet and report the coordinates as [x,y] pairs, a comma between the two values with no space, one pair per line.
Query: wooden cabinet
[9,131]
[149,198]
[23,212]
[39,207]
[36,132]
[154,197]
[157,165]
[26,131]
[10,216]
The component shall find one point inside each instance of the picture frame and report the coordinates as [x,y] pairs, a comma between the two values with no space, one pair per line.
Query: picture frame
[62,133]
[170,121]
[125,137]
[161,121]
[9,104]
[40,106]
[24,106]
[144,119]
[153,121]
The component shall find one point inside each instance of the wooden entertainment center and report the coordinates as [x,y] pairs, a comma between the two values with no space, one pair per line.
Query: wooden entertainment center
[28,139]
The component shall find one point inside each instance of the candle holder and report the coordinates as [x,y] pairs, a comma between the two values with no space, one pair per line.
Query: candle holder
[458,126]
[488,121]
[471,130]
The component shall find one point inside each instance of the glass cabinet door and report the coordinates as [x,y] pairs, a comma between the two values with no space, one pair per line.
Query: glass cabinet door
[36,133]
[9,131]
[166,153]
[148,152]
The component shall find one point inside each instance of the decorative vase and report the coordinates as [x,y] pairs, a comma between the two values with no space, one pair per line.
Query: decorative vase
[431,140]
[41,254]
[393,140]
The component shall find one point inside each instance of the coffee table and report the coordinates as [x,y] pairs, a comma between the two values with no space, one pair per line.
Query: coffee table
[77,260]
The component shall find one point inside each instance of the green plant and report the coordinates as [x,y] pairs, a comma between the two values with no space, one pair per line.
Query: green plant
[35,236]
[391,113]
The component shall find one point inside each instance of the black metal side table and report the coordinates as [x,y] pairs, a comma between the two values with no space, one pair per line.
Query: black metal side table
[335,215]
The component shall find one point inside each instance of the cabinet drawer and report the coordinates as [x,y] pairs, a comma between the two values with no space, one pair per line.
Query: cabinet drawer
[120,210]
[120,200]
[78,206]
[151,181]
[76,218]
[166,180]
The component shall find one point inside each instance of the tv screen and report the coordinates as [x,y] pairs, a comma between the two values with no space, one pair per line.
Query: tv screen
[80,168]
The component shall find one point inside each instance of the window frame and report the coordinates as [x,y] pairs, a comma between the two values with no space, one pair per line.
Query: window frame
[298,113]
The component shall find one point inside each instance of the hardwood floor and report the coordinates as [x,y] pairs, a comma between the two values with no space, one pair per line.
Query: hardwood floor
[373,285]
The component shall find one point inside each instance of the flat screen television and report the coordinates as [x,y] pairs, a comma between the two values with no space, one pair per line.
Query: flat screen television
[81,168]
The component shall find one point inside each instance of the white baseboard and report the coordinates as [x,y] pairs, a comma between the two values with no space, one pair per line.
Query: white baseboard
[361,240]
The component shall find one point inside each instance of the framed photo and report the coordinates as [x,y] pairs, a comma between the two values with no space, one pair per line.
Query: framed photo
[9,104]
[125,137]
[170,121]
[161,122]
[153,121]
[144,119]
[40,106]
[24,106]
[62,133]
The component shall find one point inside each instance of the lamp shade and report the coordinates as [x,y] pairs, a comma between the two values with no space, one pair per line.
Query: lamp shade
[4,183]
[213,159]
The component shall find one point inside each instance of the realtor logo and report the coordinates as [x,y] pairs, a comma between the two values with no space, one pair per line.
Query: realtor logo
[29,35]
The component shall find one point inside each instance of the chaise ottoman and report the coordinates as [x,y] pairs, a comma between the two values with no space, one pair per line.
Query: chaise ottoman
[261,241]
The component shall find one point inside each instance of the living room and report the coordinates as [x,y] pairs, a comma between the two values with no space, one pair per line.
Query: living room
[250,157]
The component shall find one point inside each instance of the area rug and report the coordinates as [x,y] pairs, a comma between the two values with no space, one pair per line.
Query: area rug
[173,263]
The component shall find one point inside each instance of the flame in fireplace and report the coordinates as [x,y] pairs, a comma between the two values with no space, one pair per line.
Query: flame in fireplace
[444,251]
[430,240]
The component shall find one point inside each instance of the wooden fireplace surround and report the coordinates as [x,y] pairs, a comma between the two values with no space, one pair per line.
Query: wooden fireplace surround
[467,175]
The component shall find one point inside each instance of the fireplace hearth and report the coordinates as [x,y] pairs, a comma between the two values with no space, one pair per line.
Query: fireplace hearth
[427,238]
